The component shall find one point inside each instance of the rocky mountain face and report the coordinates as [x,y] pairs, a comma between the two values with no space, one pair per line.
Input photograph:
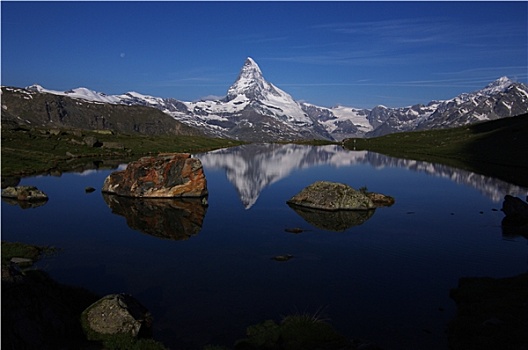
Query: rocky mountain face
[500,99]
[35,107]
[256,110]
[253,110]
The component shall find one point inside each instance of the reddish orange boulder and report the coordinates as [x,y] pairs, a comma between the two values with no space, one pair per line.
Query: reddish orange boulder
[165,176]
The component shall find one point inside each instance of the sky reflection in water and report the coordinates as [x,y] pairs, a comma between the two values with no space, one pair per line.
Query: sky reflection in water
[386,280]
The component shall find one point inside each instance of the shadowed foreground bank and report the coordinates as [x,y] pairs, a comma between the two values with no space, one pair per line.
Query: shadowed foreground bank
[38,312]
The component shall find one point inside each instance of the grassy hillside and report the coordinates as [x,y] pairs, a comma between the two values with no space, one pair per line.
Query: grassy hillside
[46,133]
[496,148]
[27,151]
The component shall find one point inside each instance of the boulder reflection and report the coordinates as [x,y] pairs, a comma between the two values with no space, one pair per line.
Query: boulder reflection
[25,204]
[338,220]
[174,218]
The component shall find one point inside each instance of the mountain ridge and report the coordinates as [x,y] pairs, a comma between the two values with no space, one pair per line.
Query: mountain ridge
[256,110]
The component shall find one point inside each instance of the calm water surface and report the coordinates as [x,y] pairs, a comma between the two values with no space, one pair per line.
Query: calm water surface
[205,280]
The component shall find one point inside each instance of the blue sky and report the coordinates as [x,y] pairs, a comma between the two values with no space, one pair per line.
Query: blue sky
[357,54]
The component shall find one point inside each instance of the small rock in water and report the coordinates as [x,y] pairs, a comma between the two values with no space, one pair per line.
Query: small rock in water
[326,195]
[282,257]
[493,322]
[294,230]
[24,193]
[89,189]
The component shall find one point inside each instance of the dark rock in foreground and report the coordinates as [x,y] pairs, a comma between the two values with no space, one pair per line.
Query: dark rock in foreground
[39,313]
[299,331]
[515,223]
[165,176]
[116,314]
[492,314]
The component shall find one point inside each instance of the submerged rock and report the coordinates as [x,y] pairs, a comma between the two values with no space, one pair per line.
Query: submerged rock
[294,230]
[283,257]
[165,176]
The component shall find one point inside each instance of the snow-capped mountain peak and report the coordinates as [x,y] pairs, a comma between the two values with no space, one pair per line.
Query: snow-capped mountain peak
[251,84]
[256,110]
[251,69]
[497,86]
[251,89]
[80,93]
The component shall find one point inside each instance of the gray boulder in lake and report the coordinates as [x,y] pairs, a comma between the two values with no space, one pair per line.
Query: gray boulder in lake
[116,314]
[327,195]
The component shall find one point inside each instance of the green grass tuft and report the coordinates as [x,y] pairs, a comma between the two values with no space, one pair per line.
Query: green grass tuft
[22,250]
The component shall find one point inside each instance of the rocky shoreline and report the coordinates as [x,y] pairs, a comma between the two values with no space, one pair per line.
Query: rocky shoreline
[38,312]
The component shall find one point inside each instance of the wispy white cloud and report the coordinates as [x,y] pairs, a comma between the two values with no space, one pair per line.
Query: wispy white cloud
[461,82]
[426,38]
[424,30]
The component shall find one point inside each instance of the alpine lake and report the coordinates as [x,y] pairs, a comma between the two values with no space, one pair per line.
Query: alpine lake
[384,277]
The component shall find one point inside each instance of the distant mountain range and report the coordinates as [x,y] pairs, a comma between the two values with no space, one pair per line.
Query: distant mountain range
[256,110]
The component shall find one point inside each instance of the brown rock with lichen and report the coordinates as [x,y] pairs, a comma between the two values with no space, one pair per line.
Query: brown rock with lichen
[168,175]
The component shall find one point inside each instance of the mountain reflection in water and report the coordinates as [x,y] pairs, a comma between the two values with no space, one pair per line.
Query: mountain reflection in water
[206,273]
[251,168]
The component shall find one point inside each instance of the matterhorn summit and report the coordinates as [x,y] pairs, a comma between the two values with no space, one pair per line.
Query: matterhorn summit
[252,89]
[254,110]
[251,84]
